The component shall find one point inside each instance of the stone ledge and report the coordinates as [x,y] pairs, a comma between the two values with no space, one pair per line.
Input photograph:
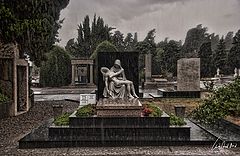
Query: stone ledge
[118,107]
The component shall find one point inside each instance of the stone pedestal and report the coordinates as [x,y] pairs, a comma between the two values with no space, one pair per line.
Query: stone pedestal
[118,107]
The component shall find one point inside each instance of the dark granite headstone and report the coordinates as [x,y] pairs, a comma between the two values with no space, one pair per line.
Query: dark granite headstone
[129,62]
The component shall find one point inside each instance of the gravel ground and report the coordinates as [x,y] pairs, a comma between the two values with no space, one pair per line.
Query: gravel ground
[14,128]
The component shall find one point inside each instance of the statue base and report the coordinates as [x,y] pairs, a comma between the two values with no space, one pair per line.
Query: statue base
[119,107]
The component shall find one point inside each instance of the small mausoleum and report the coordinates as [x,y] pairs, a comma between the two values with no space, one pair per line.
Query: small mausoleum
[82,71]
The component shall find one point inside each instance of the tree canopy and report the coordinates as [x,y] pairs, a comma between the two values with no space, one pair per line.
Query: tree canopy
[89,37]
[33,24]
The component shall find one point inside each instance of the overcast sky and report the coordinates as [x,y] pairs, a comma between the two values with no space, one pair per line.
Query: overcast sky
[170,18]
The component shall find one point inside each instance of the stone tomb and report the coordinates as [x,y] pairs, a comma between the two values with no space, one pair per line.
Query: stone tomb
[118,121]
[14,79]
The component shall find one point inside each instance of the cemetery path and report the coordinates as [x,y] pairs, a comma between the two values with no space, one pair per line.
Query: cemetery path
[14,128]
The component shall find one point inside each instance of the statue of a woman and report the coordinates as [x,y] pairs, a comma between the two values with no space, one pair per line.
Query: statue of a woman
[116,84]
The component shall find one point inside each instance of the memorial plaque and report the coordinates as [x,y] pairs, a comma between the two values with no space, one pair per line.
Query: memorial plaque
[87,99]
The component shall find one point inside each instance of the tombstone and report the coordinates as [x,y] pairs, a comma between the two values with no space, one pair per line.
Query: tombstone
[14,79]
[188,74]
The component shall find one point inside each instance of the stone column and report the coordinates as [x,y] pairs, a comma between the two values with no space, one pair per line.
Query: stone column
[91,73]
[148,67]
[73,74]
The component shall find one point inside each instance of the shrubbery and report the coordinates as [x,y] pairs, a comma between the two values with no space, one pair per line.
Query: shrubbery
[86,111]
[56,71]
[62,120]
[3,98]
[224,101]
[176,121]
[152,110]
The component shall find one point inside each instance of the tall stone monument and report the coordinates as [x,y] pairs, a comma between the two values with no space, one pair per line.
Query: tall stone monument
[188,74]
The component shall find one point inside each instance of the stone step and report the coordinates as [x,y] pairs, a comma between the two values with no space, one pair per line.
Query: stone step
[85,122]
[120,134]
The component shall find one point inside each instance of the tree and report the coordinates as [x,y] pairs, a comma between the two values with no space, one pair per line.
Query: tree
[88,38]
[80,43]
[214,41]
[135,39]
[117,40]
[234,54]
[71,47]
[167,56]
[220,55]
[128,42]
[193,41]
[206,57]
[159,61]
[228,40]
[32,24]
[56,71]
[105,46]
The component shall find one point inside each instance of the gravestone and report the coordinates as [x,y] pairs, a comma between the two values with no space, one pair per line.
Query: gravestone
[188,74]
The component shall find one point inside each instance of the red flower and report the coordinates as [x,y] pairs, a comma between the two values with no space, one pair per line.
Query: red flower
[147,111]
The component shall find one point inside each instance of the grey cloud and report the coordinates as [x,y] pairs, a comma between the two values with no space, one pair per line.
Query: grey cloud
[171,18]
